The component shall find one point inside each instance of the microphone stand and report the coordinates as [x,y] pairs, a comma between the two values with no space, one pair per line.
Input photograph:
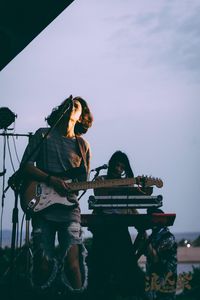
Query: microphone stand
[83,193]
[96,175]
[3,185]
[15,209]
[15,183]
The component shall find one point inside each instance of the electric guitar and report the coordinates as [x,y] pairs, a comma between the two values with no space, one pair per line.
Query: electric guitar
[38,196]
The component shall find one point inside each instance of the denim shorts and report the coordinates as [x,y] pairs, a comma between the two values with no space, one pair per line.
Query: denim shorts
[44,236]
[47,233]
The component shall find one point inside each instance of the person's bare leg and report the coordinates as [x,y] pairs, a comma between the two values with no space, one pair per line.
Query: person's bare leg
[42,269]
[72,267]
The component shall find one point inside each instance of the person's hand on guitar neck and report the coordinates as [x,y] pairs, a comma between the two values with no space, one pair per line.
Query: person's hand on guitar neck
[145,181]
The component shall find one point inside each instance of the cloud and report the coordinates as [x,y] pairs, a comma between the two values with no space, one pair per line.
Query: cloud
[167,35]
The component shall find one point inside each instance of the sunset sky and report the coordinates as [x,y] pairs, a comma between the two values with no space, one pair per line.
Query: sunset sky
[137,63]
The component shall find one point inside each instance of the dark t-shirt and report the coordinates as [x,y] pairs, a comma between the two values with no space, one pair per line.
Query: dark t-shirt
[56,155]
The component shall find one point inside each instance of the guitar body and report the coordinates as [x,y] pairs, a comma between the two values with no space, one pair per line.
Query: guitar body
[35,196]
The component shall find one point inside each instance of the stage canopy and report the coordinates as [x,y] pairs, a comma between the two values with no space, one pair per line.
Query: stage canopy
[21,21]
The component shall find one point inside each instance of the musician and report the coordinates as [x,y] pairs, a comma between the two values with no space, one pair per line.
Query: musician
[161,265]
[62,150]
[111,259]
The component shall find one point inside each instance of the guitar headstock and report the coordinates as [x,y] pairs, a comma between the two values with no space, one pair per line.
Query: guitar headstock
[149,181]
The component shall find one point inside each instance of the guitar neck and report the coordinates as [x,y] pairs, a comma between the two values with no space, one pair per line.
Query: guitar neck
[101,184]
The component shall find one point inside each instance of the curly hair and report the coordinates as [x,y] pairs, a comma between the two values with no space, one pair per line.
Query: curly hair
[86,116]
[121,157]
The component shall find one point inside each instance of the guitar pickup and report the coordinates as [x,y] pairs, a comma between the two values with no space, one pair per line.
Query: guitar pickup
[38,190]
[31,204]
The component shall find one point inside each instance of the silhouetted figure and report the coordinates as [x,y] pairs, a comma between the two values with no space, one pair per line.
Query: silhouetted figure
[114,270]
[161,265]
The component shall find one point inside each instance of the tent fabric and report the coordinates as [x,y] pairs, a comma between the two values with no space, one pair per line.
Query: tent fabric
[21,21]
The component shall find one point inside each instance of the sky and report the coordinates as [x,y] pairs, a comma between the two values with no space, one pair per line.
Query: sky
[137,63]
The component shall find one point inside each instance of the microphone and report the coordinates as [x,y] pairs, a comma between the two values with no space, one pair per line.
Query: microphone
[68,103]
[58,112]
[100,168]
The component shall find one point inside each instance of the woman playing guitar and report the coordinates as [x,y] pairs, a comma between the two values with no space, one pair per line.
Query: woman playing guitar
[61,150]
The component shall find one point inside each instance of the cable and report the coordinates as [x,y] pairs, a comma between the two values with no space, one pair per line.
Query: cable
[11,160]
[1,229]
[15,148]
[17,236]
[22,223]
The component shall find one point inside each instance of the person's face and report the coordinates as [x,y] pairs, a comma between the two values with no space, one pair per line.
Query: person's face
[118,169]
[76,111]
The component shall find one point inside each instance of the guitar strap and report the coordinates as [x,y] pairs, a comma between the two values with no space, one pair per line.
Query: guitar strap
[82,148]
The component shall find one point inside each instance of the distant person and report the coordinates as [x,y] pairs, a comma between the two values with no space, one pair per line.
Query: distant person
[114,268]
[161,265]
